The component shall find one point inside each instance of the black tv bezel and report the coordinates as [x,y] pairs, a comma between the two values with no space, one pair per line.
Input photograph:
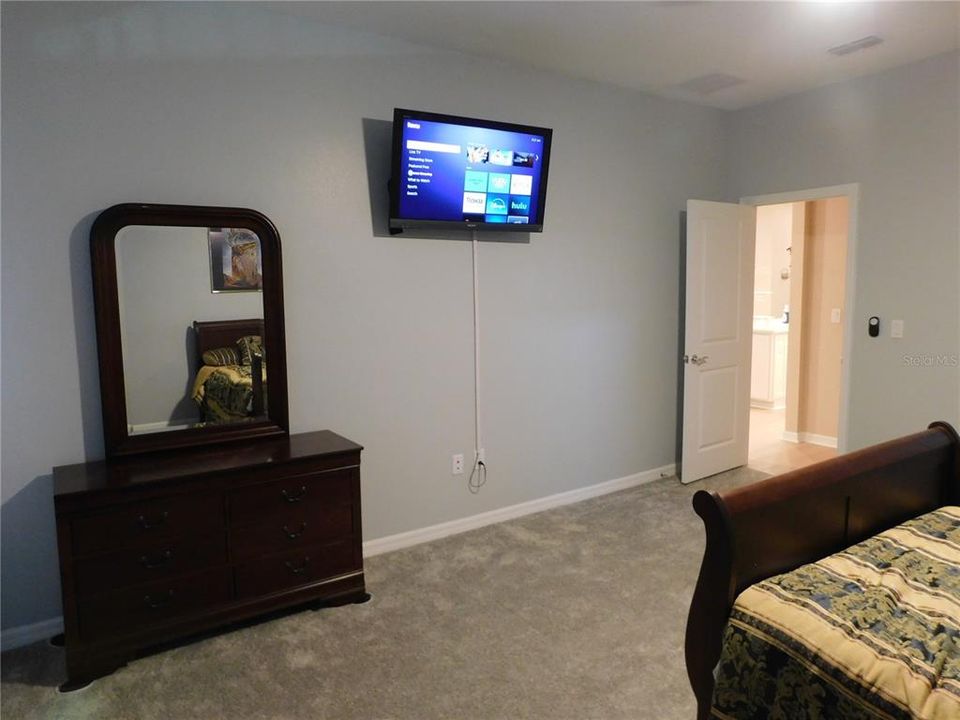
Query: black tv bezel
[398,223]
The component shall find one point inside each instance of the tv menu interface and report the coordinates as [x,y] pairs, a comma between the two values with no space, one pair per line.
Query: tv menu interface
[466,173]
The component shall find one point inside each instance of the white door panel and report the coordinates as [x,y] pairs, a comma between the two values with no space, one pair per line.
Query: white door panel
[717,337]
[718,398]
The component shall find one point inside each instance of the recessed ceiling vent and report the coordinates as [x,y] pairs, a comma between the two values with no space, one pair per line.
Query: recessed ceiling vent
[856,45]
[708,84]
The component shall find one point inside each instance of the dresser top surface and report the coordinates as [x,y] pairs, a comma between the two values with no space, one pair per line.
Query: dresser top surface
[137,470]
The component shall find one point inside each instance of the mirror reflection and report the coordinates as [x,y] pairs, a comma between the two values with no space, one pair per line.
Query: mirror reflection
[191,326]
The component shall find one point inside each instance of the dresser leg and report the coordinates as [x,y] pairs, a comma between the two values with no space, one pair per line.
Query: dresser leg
[83,669]
[352,599]
[71,685]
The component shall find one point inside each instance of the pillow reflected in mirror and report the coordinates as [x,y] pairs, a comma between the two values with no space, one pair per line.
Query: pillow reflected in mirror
[218,357]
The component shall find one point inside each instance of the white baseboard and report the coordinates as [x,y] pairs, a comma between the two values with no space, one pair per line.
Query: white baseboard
[453,527]
[27,634]
[158,427]
[815,439]
[811,438]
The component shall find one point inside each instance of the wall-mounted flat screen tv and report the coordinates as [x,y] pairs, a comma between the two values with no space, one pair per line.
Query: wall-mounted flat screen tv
[462,173]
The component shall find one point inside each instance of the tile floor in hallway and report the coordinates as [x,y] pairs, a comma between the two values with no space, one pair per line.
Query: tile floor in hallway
[770,453]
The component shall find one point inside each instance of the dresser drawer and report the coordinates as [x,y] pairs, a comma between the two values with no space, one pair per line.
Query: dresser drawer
[272,501]
[297,567]
[139,523]
[153,604]
[149,562]
[295,529]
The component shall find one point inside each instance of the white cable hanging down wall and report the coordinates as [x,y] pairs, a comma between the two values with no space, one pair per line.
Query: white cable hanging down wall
[478,473]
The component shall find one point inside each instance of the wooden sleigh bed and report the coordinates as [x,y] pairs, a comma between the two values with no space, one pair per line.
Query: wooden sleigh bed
[246,383]
[843,513]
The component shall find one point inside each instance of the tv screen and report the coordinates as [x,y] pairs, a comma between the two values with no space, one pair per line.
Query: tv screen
[453,172]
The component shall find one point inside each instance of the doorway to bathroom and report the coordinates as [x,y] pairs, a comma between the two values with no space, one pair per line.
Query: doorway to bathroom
[799,317]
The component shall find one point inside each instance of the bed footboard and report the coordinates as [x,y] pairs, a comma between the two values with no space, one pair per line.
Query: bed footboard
[786,521]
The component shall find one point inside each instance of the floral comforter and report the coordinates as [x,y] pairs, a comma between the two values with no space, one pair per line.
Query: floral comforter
[225,393]
[871,632]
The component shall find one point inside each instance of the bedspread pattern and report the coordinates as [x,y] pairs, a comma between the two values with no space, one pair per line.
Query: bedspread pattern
[225,393]
[871,632]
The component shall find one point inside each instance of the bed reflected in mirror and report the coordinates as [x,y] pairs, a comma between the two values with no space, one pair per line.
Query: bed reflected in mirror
[231,380]
[191,326]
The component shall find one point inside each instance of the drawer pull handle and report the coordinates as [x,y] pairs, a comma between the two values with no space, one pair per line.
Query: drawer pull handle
[147,524]
[294,534]
[298,570]
[164,558]
[294,498]
[158,601]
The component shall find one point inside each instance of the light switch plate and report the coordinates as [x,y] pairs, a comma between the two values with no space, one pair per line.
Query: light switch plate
[896,328]
[835,316]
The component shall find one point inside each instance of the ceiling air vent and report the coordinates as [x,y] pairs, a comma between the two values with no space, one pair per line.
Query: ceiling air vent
[856,45]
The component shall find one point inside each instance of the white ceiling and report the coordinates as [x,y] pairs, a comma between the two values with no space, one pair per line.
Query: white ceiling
[776,48]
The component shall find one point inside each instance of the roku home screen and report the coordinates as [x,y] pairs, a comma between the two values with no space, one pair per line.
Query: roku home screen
[462,173]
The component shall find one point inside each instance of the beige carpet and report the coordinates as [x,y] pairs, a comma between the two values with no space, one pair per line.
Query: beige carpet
[575,613]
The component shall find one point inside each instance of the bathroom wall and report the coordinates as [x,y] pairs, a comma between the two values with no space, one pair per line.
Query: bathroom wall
[774,231]
[824,286]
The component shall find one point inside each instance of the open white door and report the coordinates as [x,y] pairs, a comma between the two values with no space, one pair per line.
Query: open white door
[717,337]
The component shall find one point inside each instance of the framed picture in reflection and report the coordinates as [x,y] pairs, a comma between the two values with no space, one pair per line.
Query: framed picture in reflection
[235,262]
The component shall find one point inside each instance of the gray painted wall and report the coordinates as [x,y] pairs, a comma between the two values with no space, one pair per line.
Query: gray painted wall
[163,274]
[228,105]
[897,135]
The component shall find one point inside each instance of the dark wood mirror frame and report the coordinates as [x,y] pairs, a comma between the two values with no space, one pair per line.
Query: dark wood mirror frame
[117,440]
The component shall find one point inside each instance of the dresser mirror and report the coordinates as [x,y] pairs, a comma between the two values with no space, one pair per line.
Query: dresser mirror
[189,304]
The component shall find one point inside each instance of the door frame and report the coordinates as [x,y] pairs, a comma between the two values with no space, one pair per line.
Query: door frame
[852,192]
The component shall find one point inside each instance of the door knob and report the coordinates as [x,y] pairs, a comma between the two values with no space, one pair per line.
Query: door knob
[698,361]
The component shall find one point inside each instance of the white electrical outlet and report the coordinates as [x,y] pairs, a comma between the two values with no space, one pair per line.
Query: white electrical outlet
[457,465]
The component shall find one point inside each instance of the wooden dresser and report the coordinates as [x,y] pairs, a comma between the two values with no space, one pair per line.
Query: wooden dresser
[157,547]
